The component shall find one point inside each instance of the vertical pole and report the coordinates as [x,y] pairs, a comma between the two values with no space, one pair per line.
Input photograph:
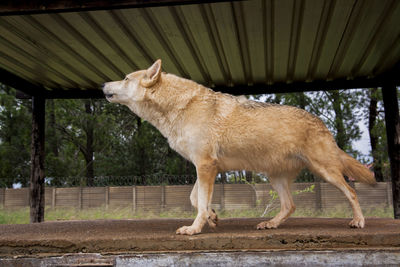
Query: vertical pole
[222,196]
[134,199]
[107,195]
[254,194]
[36,188]
[3,197]
[392,121]
[53,198]
[80,198]
[162,197]
[318,196]
[389,194]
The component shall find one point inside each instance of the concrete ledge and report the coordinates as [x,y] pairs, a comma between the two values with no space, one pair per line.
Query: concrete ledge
[146,236]
[239,258]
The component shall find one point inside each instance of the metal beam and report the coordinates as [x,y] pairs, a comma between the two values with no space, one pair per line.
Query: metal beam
[74,94]
[19,83]
[389,78]
[25,7]
[294,87]
[392,121]
[62,94]
[248,89]
[36,186]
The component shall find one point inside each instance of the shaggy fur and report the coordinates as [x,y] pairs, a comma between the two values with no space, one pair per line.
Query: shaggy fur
[220,132]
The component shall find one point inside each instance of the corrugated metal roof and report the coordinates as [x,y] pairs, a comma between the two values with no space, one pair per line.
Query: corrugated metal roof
[239,43]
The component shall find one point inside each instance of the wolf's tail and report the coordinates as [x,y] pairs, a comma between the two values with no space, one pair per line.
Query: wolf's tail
[354,169]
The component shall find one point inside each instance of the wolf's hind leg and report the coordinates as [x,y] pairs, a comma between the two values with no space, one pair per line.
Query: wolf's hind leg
[206,172]
[336,178]
[212,218]
[281,185]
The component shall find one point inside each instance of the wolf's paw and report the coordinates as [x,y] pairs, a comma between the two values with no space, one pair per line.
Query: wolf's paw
[188,230]
[267,225]
[212,219]
[357,223]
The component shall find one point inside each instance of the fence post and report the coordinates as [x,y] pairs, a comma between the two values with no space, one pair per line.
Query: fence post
[134,199]
[223,196]
[53,197]
[253,186]
[80,198]
[389,193]
[3,197]
[107,196]
[162,197]
[318,195]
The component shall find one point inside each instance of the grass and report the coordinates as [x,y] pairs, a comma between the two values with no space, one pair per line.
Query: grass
[21,216]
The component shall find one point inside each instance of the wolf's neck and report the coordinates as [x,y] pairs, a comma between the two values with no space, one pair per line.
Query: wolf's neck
[148,113]
[166,104]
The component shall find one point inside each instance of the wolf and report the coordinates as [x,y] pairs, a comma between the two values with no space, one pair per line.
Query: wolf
[220,132]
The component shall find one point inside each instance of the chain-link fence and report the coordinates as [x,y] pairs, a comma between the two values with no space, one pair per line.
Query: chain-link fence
[233,177]
[161,179]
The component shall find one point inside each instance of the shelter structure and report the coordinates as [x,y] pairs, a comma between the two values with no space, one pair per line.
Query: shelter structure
[67,49]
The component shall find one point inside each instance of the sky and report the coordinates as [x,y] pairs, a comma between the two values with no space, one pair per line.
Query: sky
[363,145]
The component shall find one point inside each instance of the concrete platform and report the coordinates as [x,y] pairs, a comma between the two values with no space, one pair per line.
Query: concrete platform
[279,258]
[149,236]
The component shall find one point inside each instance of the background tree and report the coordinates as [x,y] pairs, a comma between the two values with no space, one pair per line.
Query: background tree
[15,120]
[341,110]
[81,124]
[377,136]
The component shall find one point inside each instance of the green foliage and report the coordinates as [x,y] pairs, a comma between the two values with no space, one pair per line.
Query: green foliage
[374,114]
[14,138]
[340,110]
[273,197]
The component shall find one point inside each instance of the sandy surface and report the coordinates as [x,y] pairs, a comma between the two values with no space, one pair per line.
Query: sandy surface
[127,236]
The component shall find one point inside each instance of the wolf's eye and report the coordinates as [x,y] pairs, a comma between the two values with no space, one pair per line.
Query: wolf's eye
[126,78]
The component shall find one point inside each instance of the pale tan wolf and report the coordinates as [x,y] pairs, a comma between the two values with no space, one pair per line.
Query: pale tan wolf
[220,132]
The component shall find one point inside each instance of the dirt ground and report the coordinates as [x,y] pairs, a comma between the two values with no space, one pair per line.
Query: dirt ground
[130,236]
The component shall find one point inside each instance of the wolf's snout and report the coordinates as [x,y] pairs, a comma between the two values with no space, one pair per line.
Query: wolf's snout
[107,94]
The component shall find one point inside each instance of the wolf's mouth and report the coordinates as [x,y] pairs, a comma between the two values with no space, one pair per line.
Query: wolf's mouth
[109,95]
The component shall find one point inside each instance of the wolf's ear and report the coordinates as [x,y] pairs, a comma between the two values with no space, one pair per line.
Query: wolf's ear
[152,74]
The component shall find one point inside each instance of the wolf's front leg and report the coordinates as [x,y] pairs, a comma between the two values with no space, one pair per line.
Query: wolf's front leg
[206,173]
[212,218]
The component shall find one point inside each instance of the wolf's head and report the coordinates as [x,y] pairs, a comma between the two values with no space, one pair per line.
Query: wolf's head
[134,86]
